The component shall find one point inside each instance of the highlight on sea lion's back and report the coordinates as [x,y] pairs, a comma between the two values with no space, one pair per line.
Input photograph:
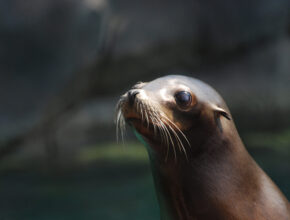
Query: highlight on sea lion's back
[200,166]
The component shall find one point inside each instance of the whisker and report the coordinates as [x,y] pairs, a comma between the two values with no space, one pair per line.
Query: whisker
[120,122]
[179,142]
[171,140]
[141,111]
[177,128]
[147,118]
[167,135]
[164,135]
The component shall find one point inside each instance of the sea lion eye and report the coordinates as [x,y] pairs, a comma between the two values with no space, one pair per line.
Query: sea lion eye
[183,98]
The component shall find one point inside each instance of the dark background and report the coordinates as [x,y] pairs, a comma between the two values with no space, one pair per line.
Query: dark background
[64,63]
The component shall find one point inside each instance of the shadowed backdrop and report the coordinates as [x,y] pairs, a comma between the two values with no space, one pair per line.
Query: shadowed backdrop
[64,64]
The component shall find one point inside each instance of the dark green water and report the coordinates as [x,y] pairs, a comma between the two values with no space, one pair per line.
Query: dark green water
[104,190]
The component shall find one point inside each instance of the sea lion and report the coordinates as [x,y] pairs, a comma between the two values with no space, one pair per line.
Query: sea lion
[200,166]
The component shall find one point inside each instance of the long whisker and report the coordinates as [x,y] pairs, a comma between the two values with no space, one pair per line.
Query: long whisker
[154,118]
[177,128]
[120,122]
[167,134]
[141,111]
[171,140]
[147,117]
[117,130]
[166,140]
[179,142]
[163,132]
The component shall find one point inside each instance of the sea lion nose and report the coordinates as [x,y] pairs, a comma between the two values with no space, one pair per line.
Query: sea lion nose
[132,95]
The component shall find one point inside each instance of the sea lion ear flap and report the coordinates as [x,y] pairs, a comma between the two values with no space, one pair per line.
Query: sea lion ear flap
[220,111]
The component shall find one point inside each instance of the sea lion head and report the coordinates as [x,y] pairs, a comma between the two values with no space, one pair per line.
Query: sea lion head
[174,114]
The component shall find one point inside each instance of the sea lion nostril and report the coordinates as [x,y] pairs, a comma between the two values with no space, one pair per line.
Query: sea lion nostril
[132,95]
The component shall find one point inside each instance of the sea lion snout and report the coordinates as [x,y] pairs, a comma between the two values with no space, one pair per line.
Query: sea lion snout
[132,104]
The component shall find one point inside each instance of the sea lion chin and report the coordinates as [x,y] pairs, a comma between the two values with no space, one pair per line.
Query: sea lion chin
[200,166]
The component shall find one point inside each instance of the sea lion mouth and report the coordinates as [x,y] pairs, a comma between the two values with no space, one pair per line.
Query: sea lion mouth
[132,120]
[146,123]
[144,127]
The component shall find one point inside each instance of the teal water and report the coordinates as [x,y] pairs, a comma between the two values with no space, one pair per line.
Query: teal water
[117,193]
[107,191]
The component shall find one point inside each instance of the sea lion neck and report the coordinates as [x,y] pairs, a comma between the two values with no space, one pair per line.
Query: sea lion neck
[204,188]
